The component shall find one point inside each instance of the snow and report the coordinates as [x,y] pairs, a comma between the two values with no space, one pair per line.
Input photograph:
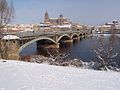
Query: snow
[16,29]
[17,75]
[28,30]
[64,26]
[8,37]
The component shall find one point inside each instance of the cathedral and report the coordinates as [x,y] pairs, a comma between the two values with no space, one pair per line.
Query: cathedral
[56,21]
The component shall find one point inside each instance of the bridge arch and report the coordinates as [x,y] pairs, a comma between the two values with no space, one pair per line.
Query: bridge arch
[84,34]
[34,40]
[80,34]
[73,35]
[65,35]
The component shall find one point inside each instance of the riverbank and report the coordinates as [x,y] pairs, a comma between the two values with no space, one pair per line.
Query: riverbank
[18,75]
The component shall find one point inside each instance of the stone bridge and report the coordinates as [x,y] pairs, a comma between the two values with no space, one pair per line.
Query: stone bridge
[53,39]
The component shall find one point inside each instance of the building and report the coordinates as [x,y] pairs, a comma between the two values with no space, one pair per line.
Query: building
[109,27]
[56,21]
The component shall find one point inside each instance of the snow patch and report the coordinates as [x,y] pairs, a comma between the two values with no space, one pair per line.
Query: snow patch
[8,37]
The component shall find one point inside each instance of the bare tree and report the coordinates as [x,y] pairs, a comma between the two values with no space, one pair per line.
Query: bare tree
[57,55]
[106,50]
[6,14]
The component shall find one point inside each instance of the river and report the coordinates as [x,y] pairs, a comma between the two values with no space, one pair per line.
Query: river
[80,49]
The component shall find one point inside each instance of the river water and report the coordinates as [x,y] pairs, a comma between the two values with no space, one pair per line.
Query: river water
[80,49]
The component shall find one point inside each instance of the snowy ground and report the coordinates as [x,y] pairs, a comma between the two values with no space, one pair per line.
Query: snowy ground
[16,75]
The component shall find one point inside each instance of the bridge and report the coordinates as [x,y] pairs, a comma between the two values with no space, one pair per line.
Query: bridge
[51,39]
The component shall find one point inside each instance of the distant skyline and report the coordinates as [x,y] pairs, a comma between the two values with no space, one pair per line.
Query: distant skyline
[90,12]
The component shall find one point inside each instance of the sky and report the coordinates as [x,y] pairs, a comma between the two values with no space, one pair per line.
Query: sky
[90,12]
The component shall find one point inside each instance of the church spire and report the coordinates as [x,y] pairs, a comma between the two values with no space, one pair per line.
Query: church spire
[46,19]
[46,15]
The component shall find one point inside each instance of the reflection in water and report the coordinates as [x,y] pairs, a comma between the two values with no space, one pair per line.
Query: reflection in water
[81,49]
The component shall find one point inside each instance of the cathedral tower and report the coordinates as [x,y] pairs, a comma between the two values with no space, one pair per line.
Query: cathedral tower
[46,19]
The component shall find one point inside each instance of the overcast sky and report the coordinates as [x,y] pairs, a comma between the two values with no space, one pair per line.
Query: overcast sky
[93,12]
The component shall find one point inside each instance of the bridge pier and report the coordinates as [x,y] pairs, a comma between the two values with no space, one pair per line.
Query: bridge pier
[77,38]
[69,41]
[9,49]
[53,46]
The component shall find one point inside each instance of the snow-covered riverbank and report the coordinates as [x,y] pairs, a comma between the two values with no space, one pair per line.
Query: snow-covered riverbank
[17,75]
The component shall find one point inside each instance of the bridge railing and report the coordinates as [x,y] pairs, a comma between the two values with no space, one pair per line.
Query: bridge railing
[37,33]
[41,33]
